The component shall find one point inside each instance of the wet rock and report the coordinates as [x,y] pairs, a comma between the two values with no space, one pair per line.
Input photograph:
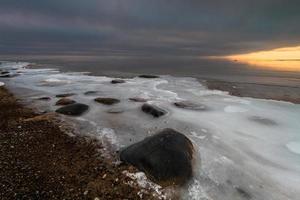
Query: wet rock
[107,101]
[138,99]
[90,92]
[190,105]
[166,157]
[4,72]
[65,101]
[65,95]
[75,109]
[148,76]
[44,98]
[153,110]
[116,81]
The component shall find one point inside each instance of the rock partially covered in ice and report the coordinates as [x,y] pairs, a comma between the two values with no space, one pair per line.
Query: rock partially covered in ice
[90,92]
[44,98]
[115,110]
[138,99]
[8,75]
[153,110]
[64,102]
[148,76]
[75,109]
[190,105]
[65,95]
[263,121]
[116,81]
[166,157]
[107,101]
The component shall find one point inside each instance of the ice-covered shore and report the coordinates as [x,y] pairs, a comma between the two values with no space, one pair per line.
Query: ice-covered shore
[246,148]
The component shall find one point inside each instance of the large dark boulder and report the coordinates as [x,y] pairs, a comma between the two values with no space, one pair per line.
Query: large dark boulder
[153,110]
[75,109]
[165,157]
[65,101]
[107,101]
[148,76]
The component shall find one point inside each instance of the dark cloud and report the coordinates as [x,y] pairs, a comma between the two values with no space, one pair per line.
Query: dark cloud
[147,28]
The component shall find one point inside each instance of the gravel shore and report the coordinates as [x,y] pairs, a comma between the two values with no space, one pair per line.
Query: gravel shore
[38,160]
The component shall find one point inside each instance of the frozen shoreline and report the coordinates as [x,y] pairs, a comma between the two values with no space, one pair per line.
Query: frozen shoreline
[241,142]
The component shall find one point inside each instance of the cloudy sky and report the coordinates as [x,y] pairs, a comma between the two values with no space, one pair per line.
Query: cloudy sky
[147,27]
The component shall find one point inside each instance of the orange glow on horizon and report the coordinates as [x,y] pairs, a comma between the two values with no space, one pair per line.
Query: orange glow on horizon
[283,59]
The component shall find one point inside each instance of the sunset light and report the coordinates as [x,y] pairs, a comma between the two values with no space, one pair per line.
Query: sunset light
[283,59]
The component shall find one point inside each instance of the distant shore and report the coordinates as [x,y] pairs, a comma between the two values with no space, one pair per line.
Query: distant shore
[38,160]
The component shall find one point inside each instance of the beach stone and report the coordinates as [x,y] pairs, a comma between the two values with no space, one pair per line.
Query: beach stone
[166,157]
[65,101]
[148,76]
[90,92]
[190,105]
[75,109]
[65,95]
[107,101]
[44,98]
[116,81]
[138,99]
[153,110]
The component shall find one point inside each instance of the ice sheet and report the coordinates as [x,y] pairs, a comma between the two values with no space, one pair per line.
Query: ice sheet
[245,148]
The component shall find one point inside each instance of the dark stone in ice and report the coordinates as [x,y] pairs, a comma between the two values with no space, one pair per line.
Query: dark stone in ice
[5,72]
[64,102]
[75,109]
[44,98]
[138,99]
[153,110]
[90,92]
[65,95]
[243,193]
[262,120]
[107,101]
[148,76]
[166,157]
[190,105]
[8,75]
[116,81]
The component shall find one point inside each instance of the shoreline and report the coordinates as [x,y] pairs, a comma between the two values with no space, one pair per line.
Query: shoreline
[39,160]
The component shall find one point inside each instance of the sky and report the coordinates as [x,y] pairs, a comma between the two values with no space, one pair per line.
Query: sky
[147,28]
